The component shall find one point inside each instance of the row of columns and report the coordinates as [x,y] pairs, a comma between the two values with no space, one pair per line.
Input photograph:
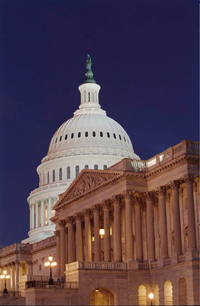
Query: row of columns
[66,237]
[34,212]
[12,283]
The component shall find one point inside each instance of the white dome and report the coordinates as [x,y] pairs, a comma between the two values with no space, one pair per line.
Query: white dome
[89,140]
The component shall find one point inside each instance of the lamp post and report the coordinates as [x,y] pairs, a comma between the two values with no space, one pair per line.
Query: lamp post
[101,231]
[50,264]
[151,296]
[5,276]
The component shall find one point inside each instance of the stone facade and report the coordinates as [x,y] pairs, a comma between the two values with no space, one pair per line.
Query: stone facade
[149,211]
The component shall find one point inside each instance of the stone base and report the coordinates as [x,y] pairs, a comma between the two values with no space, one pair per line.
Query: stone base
[192,254]
[132,265]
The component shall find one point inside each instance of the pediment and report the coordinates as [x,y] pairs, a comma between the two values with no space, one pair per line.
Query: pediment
[86,182]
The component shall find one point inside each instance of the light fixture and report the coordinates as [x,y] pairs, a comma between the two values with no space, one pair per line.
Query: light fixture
[151,296]
[101,231]
[5,276]
[50,264]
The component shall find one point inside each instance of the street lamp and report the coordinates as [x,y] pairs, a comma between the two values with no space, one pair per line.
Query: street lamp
[101,231]
[50,264]
[151,296]
[5,276]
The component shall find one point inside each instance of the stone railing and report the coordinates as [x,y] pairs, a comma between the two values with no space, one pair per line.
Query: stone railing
[84,265]
[144,266]
[16,247]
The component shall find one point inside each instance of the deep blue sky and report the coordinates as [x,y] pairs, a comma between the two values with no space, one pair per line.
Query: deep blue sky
[145,58]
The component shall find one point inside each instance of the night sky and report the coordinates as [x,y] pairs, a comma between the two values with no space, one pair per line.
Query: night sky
[144,57]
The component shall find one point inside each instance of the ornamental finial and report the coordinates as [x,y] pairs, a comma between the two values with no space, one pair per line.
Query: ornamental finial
[89,73]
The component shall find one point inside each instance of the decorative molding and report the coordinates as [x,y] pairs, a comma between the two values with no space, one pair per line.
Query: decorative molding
[78,216]
[174,184]
[70,220]
[96,208]
[62,223]
[161,190]
[87,212]
[188,178]
[129,194]
[106,204]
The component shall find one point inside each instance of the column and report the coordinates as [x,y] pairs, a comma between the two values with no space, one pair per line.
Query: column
[88,240]
[117,229]
[138,230]
[13,278]
[30,270]
[129,227]
[66,245]
[79,237]
[97,246]
[150,227]
[57,233]
[162,222]
[191,213]
[106,213]
[36,213]
[32,214]
[49,212]
[70,240]
[42,212]
[17,277]
[176,217]
[62,246]
[8,280]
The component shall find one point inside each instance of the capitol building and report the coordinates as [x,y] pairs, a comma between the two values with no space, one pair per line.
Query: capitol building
[122,230]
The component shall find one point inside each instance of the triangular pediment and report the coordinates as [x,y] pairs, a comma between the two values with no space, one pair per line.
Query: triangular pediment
[86,182]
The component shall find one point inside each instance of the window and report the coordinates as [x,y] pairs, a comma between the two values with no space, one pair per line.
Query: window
[76,170]
[101,134]
[54,175]
[96,167]
[94,134]
[40,267]
[65,136]
[56,140]
[88,96]
[108,135]
[86,167]
[120,137]
[124,139]
[86,134]
[46,215]
[47,177]
[72,135]
[60,138]
[79,134]
[104,167]
[60,174]
[114,135]
[68,172]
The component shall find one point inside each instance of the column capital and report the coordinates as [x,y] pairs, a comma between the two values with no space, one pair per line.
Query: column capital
[118,199]
[188,178]
[87,212]
[70,220]
[161,190]
[96,208]
[78,216]
[62,223]
[106,204]
[174,184]
[181,192]
[128,194]
[195,187]
[149,195]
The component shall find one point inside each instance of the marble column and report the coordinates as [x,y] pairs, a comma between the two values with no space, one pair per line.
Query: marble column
[30,270]
[8,280]
[150,228]
[33,215]
[36,213]
[42,212]
[163,222]
[189,179]
[176,217]
[138,230]
[13,277]
[97,246]
[66,245]
[49,212]
[17,277]
[79,237]
[129,245]
[62,246]
[88,240]
[57,233]
[117,200]
[107,248]
[70,240]
[30,214]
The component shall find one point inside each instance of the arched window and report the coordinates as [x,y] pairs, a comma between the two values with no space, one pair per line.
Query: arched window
[86,134]
[94,134]
[86,167]
[72,135]
[76,170]
[65,136]
[124,139]
[168,293]
[182,291]
[114,135]
[60,138]
[53,176]
[68,172]
[56,140]
[79,134]
[120,137]
[104,167]
[88,96]
[96,167]
[48,177]
[60,174]
[108,135]
[101,134]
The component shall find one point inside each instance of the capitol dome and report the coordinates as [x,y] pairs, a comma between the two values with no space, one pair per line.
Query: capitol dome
[89,140]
